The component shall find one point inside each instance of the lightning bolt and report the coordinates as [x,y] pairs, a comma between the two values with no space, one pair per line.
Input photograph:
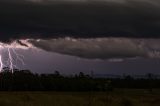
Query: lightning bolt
[19,57]
[13,56]
[11,61]
[1,63]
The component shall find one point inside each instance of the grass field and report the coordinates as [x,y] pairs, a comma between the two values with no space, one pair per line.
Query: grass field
[123,97]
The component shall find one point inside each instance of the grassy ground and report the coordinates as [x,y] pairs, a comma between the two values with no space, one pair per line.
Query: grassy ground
[123,97]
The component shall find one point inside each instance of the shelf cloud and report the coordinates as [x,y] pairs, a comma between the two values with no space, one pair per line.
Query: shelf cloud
[105,29]
[102,48]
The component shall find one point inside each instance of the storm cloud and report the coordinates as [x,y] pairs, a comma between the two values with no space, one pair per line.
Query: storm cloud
[87,19]
[102,48]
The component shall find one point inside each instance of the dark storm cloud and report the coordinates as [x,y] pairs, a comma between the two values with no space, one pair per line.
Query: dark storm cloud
[102,48]
[90,18]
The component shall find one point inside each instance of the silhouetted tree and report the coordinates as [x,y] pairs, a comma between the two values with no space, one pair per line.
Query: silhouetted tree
[150,78]
[25,80]
[57,74]
[81,75]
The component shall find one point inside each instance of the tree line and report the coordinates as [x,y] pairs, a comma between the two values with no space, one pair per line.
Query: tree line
[24,80]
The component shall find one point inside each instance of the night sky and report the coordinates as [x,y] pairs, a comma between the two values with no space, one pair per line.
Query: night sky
[104,36]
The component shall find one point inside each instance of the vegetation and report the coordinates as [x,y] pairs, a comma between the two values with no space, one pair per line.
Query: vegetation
[24,80]
[23,88]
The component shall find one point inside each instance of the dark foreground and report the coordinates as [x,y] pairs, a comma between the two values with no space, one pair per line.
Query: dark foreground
[120,97]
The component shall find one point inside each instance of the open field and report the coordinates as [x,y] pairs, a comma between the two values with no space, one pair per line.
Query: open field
[123,97]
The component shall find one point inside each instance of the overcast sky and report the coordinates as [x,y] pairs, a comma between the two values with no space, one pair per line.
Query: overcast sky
[107,36]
